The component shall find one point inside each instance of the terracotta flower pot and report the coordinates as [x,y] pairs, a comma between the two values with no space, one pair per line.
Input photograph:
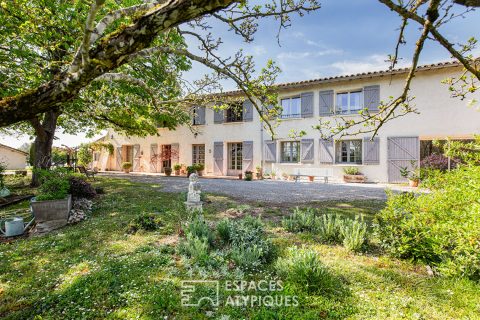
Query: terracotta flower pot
[413,183]
[240,176]
[177,172]
[354,178]
[311,178]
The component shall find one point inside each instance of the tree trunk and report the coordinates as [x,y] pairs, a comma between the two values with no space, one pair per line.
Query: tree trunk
[45,132]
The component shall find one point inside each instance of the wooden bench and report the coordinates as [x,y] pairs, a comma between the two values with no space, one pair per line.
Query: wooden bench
[87,173]
[324,173]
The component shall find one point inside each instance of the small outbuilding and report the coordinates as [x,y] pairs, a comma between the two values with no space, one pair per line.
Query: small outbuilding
[13,158]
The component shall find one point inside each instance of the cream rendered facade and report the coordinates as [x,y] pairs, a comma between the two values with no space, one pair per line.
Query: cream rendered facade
[13,158]
[440,116]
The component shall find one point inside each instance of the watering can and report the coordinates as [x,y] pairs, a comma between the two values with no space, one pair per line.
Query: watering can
[14,227]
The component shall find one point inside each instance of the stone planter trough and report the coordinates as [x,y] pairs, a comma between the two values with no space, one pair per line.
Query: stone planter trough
[51,214]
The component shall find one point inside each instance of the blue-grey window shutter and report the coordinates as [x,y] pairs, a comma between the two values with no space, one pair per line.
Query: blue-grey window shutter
[118,158]
[326,151]
[307,104]
[270,154]
[371,97]
[326,102]
[247,110]
[218,158]
[218,116]
[371,151]
[200,115]
[247,155]
[306,150]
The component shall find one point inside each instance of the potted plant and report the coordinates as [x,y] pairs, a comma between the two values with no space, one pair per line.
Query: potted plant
[53,203]
[353,175]
[126,166]
[177,168]
[413,175]
[311,178]
[248,175]
[190,170]
[183,169]
[240,176]
[168,171]
[200,167]
[259,172]
[273,175]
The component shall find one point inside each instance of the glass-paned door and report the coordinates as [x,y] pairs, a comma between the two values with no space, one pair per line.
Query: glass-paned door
[198,154]
[235,158]
[166,156]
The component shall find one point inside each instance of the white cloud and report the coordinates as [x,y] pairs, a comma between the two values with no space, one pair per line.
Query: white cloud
[374,62]
[296,55]
[259,50]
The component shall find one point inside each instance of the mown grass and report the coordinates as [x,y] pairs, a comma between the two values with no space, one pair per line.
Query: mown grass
[95,269]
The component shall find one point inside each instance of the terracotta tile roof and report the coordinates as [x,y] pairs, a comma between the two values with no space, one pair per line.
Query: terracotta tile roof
[363,75]
[371,74]
[12,149]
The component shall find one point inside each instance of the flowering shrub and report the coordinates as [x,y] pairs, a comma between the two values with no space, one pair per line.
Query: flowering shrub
[79,188]
[437,161]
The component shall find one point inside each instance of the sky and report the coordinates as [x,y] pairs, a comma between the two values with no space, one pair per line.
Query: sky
[343,37]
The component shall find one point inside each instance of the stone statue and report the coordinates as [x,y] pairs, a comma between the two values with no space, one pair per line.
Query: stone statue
[193,199]
[194,189]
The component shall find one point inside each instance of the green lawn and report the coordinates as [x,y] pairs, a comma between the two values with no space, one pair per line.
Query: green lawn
[95,269]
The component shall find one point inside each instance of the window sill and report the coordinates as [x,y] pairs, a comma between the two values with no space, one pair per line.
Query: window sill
[290,118]
[348,164]
[347,113]
[233,122]
[290,163]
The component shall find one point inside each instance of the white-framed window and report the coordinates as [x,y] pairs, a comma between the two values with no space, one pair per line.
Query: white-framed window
[349,102]
[234,113]
[198,154]
[96,156]
[348,151]
[290,151]
[291,107]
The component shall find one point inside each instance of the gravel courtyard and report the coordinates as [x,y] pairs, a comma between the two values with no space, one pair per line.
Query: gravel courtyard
[268,190]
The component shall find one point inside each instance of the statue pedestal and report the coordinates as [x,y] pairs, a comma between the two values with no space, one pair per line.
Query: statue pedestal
[193,206]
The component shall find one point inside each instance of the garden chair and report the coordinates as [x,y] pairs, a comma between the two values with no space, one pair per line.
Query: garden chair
[87,173]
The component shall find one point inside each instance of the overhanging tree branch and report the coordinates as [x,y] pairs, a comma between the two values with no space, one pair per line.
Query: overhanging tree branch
[106,56]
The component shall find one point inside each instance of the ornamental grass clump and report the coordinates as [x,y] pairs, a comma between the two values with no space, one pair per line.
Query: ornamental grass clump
[146,222]
[354,234]
[301,220]
[328,228]
[302,268]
